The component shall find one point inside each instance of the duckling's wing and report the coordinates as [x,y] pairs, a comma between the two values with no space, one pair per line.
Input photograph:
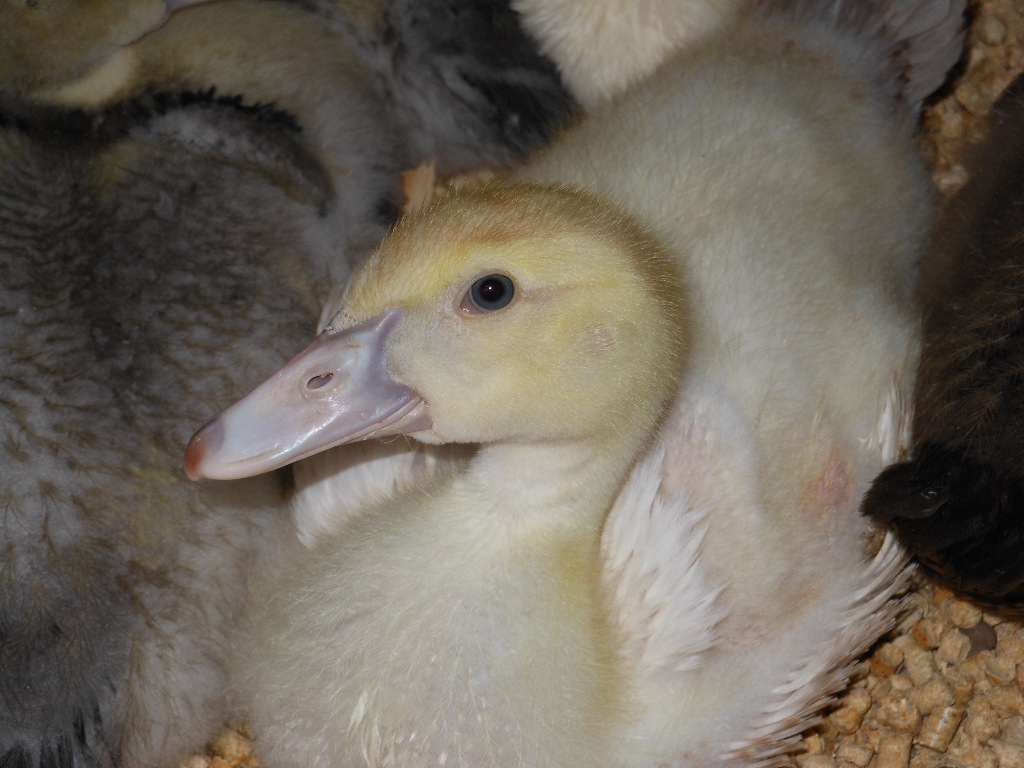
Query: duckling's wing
[664,599]
[698,651]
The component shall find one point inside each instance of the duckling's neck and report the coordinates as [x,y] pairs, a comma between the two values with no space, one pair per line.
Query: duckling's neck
[558,485]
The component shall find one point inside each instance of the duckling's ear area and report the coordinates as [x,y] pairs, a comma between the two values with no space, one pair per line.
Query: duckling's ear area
[336,391]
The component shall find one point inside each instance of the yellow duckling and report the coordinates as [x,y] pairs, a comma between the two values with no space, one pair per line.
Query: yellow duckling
[207,45]
[776,164]
[53,47]
[459,83]
[562,330]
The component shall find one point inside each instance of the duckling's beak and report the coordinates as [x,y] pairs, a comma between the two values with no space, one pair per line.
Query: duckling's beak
[338,390]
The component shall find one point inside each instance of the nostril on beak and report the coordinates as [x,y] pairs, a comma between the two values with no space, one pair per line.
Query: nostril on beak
[319,382]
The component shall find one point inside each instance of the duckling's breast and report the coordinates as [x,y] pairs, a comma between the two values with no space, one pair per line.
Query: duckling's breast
[419,635]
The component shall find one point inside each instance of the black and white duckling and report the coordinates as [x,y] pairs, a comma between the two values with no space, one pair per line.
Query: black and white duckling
[776,165]
[137,240]
[466,84]
[959,502]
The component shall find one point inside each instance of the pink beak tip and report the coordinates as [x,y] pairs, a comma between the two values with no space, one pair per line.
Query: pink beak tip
[208,437]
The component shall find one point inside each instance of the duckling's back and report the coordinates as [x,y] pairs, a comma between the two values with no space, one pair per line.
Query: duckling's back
[777,161]
[787,183]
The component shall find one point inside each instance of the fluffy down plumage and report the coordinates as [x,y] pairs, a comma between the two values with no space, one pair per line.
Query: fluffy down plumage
[145,239]
[775,161]
[604,47]
[958,503]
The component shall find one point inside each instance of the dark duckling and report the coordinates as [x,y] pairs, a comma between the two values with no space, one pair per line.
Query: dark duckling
[958,503]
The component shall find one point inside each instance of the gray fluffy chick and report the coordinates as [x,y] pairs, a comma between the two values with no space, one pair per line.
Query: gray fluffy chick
[164,241]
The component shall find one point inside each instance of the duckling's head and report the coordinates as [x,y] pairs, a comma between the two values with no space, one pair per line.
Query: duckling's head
[59,50]
[508,313]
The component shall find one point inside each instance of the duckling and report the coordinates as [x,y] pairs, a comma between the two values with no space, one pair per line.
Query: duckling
[776,165]
[121,259]
[590,329]
[373,98]
[47,46]
[134,232]
[460,79]
[958,503]
[305,72]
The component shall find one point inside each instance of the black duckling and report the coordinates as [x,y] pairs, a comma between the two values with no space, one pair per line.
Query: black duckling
[959,502]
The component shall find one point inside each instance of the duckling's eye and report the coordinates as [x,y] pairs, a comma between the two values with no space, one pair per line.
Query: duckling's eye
[488,294]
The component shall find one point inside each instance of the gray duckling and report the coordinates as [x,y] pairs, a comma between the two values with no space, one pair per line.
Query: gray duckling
[150,225]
